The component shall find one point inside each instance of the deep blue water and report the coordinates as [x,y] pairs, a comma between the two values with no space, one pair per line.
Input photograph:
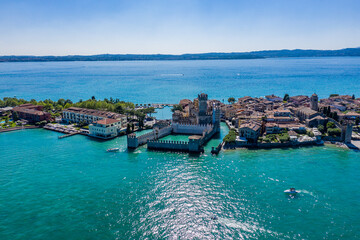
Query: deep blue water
[170,81]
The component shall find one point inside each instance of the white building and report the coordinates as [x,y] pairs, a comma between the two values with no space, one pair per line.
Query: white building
[105,128]
[75,115]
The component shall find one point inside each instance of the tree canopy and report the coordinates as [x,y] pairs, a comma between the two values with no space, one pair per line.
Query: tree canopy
[231,100]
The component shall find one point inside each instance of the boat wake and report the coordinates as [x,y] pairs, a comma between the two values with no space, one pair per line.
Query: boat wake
[246,227]
[307,192]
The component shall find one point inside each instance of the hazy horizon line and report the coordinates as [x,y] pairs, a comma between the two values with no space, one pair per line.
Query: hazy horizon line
[180,54]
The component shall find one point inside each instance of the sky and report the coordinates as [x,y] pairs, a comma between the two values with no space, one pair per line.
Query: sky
[86,27]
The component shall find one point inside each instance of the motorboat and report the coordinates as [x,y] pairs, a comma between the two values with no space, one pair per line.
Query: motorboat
[113,149]
[291,191]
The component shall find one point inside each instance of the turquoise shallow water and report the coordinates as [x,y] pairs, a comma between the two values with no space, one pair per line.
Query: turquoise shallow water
[170,81]
[73,189]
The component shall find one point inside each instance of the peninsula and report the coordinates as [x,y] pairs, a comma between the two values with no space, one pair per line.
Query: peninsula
[269,122]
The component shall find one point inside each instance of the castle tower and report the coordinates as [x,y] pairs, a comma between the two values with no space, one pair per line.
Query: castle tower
[314,102]
[346,132]
[216,117]
[202,104]
[202,118]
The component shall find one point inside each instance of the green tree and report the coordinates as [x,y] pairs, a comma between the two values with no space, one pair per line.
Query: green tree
[67,105]
[177,107]
[230,137]
[48,107]
[324,110]
[68,101]
[15,116]
[61,102]
[231,100]
[128,130]
[59,108]
[353,97]
[330,125]
[334,132]
[93,98]
[335,116]
[286,97]
[321,128]
[119,108]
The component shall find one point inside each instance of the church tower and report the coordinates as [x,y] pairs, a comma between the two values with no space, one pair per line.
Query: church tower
[314,102]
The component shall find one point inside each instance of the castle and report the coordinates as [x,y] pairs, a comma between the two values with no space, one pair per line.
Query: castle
[199,112]
[200,120]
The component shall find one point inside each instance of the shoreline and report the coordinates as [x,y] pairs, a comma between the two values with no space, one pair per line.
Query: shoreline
[18,128]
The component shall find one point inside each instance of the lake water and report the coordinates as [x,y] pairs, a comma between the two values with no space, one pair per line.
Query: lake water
[72,188]
[170,81]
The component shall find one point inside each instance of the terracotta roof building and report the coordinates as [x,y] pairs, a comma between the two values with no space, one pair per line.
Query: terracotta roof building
[75,115]
[32,113]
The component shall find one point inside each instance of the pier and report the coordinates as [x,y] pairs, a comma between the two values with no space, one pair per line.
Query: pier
[67,135]
[68,130]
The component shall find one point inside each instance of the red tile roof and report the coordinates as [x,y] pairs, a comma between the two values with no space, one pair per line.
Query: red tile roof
[107,121]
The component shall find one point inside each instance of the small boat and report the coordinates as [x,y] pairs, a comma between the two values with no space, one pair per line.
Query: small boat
[113,149]
[291,191]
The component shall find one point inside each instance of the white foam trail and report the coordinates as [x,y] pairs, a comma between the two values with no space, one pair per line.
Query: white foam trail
[272,179]
[307,192]
[250,228]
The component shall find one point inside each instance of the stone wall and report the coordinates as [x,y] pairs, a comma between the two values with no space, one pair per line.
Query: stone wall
[168,145]
[162,132]
[133,141]
[190,129]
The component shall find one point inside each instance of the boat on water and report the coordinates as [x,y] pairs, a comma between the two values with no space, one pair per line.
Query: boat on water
[291,191]
[112,150]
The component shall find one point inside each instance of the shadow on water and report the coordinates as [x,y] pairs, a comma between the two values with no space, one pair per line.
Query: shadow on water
[283,148]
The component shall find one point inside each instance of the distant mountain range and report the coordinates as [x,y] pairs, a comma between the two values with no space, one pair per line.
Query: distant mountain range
[198,56]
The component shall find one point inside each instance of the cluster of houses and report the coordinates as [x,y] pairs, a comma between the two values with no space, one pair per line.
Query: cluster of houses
[252,117]
[102,124]
[255,117]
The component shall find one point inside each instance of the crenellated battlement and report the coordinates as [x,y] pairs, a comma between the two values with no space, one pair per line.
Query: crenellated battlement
[168,145]
[168,142]
[203,96]
[131,135]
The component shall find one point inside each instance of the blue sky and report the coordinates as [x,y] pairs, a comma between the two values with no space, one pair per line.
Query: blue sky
[63,27]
